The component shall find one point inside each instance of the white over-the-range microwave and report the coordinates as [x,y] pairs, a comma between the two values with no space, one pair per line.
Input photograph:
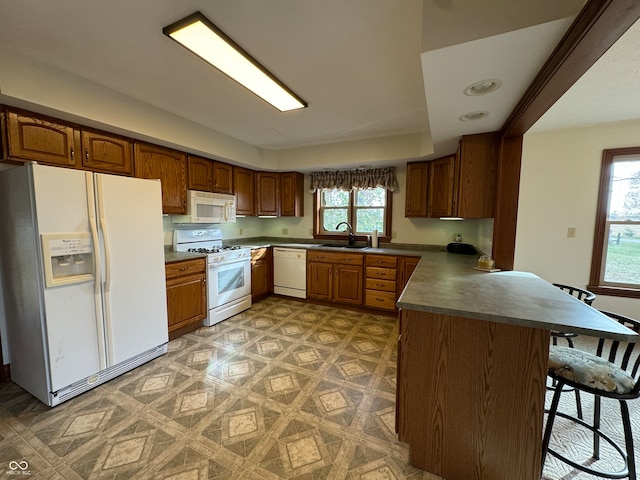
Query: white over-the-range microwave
[205,207]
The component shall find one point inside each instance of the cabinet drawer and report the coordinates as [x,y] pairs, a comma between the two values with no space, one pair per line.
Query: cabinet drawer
[378,284]
[381,261]
[186,267]
[384,273]
[342,258]
[384,300]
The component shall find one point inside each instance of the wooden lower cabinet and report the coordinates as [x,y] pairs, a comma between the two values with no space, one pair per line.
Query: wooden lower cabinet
[186,295]
[406,266]
[380,281]
[335,277]
[261,273]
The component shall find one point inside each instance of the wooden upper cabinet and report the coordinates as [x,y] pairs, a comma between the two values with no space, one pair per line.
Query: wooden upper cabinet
[291,194]
[31,137]
[460,185]
[416,189]
[244,186]
[222,178]
[200,174]
[268,193]
[170,166]
[477,165]
[441,183]
[107,153]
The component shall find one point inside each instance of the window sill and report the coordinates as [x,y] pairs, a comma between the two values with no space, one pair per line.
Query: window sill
[614,291]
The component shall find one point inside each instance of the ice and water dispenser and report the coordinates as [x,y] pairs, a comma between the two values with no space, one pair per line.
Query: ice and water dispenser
[68,258]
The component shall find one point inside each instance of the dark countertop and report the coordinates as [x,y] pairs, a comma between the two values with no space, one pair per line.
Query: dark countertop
[171,256]
[385,249]
[448,284]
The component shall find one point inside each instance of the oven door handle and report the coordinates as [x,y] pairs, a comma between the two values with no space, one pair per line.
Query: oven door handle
[230,262]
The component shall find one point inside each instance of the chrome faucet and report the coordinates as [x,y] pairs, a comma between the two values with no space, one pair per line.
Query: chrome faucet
[352,237]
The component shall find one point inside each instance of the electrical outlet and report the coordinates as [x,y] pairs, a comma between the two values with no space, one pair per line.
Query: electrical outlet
[311,231]
[285,231]
[240,232]
[571,232]
[394,234]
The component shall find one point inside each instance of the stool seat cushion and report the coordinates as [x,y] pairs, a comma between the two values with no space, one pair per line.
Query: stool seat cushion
[586,369]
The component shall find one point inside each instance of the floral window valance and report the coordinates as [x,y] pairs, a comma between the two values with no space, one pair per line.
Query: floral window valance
[358,178]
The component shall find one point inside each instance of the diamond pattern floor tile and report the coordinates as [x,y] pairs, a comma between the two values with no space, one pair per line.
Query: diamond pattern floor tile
[285,390]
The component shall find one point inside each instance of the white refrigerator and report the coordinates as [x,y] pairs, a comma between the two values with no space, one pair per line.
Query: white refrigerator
[82,265]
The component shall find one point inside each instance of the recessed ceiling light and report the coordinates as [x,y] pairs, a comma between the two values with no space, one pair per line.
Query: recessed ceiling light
[199,35]
[469,117]
[483,87]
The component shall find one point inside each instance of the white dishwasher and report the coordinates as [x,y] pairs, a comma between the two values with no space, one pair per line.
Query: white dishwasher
[290,272]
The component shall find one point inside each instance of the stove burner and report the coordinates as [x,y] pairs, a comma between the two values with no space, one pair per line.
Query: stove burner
[214,249]
[204,250]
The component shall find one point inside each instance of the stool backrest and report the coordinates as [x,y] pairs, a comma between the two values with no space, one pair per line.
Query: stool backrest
[623,354]
[580,293]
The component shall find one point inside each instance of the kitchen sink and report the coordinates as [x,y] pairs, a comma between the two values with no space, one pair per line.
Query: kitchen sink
[337,245]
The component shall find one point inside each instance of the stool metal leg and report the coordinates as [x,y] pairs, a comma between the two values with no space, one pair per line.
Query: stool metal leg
[596,426]
[628,439]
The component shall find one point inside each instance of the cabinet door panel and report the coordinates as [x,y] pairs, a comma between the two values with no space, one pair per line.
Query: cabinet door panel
[186,300]
[170,166]
[348,284]
[106,153]
[416,193]
[319,281]
[261,273]
[477,157]
[268,193]
[200,174]
[222,178]
[441,180]
[31,137]
[405,268]
[292,194]
[244,184]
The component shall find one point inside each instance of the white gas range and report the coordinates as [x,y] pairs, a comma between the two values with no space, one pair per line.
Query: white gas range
[228,271]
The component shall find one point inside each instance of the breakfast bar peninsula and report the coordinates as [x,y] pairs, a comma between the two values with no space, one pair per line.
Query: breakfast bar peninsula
[472,365]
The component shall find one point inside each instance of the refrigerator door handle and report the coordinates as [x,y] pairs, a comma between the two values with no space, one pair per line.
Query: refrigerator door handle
[96,270]
[107,275]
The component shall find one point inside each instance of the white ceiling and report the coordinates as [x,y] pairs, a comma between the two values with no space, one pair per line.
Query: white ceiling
[367,68]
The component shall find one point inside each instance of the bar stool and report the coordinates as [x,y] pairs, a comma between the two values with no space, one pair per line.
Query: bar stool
[612,373]
[587,297]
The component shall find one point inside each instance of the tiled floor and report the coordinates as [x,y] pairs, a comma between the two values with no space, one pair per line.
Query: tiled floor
[284,390]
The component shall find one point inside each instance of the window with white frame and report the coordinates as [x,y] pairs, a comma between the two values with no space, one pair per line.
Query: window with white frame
[364,209]
[615,268]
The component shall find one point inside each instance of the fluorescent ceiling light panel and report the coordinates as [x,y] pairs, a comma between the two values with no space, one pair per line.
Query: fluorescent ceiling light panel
[200,36]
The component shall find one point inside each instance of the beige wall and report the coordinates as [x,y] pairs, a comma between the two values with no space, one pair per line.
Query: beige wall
[559,189]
